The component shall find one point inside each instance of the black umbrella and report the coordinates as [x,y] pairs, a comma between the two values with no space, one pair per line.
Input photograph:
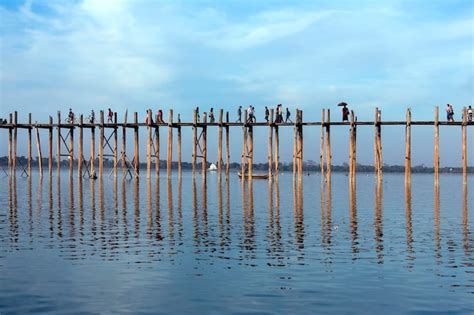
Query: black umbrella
[342,104]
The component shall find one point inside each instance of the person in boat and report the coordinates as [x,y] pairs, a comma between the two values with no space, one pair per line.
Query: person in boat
[267,113]
[345,113]
[211,115]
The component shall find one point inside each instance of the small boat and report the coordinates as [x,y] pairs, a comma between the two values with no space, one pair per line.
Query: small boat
[254,176]
[212,167]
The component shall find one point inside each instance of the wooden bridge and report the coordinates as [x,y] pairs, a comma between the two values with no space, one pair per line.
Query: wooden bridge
[108,143]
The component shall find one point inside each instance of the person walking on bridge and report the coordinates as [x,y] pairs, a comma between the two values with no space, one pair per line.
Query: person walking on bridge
[239,114]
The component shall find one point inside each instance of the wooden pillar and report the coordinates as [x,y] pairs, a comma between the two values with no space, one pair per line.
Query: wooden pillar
[219,144]
[92,151]
[40,156]
[436,146]
[29,144]
[136,156]
[71,150]
[101,144]
[80,151]
[124,146]
[148,145]
[295,143]
[179,147]
[464,144]
[277,150]
[115,153]
[353,148]
[328,143]
[377,145]
[50,146]
[321,142]
[195,140]
[10,145]
[250,150]
[59,142]
[300,142]
[204,146]
[244,146]
[270,145]
[157,150]
[15,139]
[408,147]
[227,144]
[170,142]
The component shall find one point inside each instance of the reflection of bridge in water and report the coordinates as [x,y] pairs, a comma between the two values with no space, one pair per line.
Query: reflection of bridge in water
[108,145]
[90,222]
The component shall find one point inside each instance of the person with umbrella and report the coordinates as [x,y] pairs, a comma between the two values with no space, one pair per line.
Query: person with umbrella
[345,111]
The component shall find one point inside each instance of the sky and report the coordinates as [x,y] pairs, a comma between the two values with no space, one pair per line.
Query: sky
[308,54]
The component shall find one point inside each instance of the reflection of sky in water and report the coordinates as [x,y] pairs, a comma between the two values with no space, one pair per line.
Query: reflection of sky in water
[180,246]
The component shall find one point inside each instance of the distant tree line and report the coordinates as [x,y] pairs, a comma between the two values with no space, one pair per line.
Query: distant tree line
[286,167]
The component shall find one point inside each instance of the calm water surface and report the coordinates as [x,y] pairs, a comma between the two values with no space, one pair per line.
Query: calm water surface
[186,245]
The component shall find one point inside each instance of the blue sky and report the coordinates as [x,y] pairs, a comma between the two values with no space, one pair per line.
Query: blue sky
[180,54]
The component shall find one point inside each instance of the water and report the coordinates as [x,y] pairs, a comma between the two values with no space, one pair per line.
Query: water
[188,246]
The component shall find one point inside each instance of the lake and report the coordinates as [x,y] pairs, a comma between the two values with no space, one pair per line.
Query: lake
[184,245]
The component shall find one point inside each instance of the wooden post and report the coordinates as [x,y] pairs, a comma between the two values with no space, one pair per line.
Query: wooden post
[29,144]
[115,153]
[50,146]
[204,146]
[148,145]
[436,146]
[408,147]
[250,151]
[157,150]
[124,145]
[464,144]
[353,148]
[15,138]
[300,143]
[136,156]
[219,145]
[170,142]
[328,143]
[92,151]
[277,150]
[179,147]
[244,146]
[270,145]
[227,145]
[195,139]
[71,149]
[321,142]
[295,143]
[40,156]
[80,152]
[59,142]
[377,145]
[10,145]
[101,144]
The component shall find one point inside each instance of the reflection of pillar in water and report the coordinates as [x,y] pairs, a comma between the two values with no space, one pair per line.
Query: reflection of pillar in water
[39,200]
[205,231]
[220,211]
[438,254]
[93,210]
[50,200]
[197,238]
[13,213]
[378,223]
[80,187]
[298,213]
[353,215]
[408,222]
[136,204]
[72,218]
[465,223]
[58,196]
[180,208]
[149,230]
[159,232]
[30,205]
[170,213]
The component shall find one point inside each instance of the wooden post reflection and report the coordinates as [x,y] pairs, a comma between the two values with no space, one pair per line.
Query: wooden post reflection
[58,196]
[408,223]
[180,208]
[438,254]
[326,213]
[353,215]
[197,239]
[465,222]
[378,222]
[72,215]
[125,212]
[159,232]
[170,213]
[30,205]
[298,213]
[80,189]
[13,210]
[51,211]
[205,230]
[149,230]
[136,205]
